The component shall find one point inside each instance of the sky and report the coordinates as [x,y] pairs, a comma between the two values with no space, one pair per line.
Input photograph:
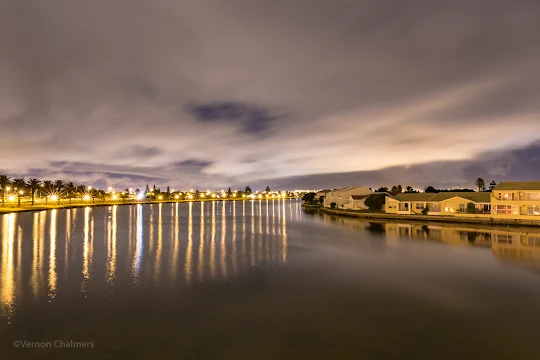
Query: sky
[292,94]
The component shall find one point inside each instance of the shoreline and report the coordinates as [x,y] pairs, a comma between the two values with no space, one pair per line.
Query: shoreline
[41,207]
[425,218]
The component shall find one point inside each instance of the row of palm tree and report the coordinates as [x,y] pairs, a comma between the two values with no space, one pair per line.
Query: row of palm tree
[41,188]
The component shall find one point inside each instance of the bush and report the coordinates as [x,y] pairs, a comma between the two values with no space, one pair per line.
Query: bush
[333,205]
[471,209]
[425,210]
[375,202]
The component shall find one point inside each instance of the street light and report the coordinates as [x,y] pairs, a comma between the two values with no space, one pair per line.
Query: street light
[115,197]
[11,198]
[54,197]
[160,197]
[86,197]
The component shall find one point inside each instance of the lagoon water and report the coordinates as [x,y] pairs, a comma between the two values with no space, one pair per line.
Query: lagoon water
[263,280]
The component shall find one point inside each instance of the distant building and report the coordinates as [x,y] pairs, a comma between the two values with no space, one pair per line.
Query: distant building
[342,197]
[321,194]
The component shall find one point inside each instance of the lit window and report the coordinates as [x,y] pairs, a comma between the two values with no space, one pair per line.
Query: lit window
[506,196]
[533,210]
[506,209]
[420,206]
[532,196]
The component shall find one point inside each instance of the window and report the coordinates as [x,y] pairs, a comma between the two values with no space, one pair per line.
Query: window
[506,196]
[391,204]
[434,207]
[450,208]
[532,196]
[404,207]
[462,208]
[533,210]
[420,206]
[506,209]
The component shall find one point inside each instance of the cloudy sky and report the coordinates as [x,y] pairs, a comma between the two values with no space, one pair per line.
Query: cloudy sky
[312,93]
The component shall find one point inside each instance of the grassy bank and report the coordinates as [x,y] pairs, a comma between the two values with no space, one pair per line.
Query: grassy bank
[367,214]
[40,207]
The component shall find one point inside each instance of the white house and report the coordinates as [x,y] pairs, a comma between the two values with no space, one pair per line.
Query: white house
[342,197]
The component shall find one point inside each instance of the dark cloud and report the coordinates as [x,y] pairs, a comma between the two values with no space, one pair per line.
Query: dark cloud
[254,120]
[136,86]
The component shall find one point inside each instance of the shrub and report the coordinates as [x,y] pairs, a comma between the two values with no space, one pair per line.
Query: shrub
[375,202]
[425,210]
[471,209]
[333,205]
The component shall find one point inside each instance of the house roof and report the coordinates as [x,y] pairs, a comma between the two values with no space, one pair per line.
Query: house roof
[479,197]
[415,197]
[359,197]
[518,185]
[324,191]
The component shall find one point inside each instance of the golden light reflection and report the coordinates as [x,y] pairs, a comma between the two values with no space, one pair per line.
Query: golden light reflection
[223,245]
[234,251]
[200,269]
[189,249]
[111,246]
[139,246]
[213,243]
[284,236]
[52,256]
[66,243]
[175,245]
[252,243]
[8,280]
[157,263]
[87,249]
[35,256]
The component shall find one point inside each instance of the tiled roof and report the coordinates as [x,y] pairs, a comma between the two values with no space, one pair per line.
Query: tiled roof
[479,197]
[518,185]
[415,197]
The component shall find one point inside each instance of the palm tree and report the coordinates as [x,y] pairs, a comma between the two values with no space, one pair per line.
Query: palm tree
[5,181]
[19,183]
[480,183]
[410,189]
[71,189]
[59,185]
[33,184]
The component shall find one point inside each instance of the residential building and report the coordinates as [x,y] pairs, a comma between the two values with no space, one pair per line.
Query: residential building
[516,200]
[343,196]
[444,203]
[321,194]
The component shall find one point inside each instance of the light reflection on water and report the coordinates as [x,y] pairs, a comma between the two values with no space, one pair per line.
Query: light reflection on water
[165,242]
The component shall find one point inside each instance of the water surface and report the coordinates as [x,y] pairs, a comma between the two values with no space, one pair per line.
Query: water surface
[263,279]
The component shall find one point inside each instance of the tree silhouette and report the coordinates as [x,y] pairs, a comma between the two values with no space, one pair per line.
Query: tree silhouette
[480,183]
[492,185]
[34,185]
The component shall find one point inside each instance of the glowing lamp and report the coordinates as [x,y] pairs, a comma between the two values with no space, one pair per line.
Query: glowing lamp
[11,198]
[54,197]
